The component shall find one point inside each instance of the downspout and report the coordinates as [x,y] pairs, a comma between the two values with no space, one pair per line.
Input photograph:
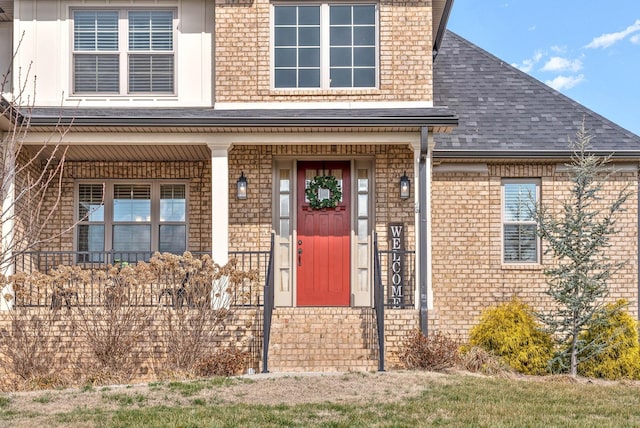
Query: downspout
[423,232]
[638,244]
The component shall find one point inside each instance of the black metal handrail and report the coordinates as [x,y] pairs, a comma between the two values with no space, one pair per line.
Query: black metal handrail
[378,301]
[268,309]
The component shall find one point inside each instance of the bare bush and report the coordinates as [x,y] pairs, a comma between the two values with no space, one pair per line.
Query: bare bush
[478,360]
[30,174]
[223,362]
[115,332]
[31,349]
[194,321]
[435,352]
[113,324]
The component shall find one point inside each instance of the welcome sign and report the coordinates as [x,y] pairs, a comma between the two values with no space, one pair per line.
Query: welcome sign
[396,265]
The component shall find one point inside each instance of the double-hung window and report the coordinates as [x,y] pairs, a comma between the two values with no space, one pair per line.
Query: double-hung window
[325,46]
[520,241]
[131,218]
[123,52]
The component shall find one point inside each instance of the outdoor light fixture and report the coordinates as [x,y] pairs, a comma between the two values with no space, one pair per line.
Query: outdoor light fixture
[405,186]
[242,186]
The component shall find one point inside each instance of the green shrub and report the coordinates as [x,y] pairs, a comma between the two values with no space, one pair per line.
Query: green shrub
[435,352]
[510,331]
[617,331]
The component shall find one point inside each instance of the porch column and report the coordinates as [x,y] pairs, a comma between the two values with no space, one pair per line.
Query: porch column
[7,193]
[424,293]
[220,203]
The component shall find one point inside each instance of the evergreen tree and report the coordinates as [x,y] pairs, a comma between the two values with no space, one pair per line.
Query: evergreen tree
[577,237]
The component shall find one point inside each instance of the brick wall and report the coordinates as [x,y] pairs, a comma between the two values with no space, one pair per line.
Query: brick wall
[242,63]
[468,273]
[71,354]
[23,209]
[397,326]
[250,220]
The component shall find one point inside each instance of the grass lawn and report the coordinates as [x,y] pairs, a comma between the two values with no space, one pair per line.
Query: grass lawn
[443,400]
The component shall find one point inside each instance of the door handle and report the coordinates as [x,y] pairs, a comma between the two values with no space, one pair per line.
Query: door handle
[299,256]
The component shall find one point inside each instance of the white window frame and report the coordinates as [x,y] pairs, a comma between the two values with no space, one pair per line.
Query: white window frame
[530,222]
[325,45]
[108,221]
[123,52]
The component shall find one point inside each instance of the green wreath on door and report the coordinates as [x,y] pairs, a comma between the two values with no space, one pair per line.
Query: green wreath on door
[328,182]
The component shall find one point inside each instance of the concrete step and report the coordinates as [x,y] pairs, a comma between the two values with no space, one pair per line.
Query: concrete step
[323,340]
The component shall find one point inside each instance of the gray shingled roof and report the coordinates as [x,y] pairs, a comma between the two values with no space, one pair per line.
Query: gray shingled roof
[504,112]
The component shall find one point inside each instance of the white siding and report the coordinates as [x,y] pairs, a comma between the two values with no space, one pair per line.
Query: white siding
[6,47]
[47,43]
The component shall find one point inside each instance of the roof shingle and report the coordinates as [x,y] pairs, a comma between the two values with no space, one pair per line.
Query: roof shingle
[505,112]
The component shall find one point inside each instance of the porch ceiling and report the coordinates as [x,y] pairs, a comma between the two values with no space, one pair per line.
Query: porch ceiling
[99,152]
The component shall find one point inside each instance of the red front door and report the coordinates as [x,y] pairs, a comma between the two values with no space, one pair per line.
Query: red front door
[323,247]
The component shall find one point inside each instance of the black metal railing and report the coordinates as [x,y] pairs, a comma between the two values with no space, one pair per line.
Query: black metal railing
[95,289]
[394,286]
[268,309]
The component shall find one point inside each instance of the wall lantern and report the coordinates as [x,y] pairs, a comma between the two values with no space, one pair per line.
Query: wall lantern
[405,186]
[242,186]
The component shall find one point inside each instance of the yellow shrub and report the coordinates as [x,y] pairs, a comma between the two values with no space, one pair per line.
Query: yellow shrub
[621,357]
[511,332]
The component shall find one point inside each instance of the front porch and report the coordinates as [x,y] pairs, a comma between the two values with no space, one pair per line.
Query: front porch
[173,192]
[289,339]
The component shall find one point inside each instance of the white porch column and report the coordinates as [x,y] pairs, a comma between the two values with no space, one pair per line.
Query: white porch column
[416,198]
[422,178]
[7,193]
[220,203]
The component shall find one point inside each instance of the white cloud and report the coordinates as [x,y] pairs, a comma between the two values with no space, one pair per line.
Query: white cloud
[558,49]
[565,82]
[528,64]
[557,64]
[608,39]
[635,39]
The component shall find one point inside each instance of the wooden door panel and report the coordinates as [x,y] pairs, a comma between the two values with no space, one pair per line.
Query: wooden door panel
[323,250]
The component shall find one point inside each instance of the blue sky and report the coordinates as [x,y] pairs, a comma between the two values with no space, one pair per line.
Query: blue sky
[587,49]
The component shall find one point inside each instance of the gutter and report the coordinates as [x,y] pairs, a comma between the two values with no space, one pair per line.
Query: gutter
[519,155]
[442,27]
[240,122]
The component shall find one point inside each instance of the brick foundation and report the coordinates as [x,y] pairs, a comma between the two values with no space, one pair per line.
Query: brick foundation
[69,351]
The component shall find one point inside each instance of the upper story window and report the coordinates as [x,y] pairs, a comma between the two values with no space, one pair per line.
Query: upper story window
[325,46]
[123,52]
[520,240]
